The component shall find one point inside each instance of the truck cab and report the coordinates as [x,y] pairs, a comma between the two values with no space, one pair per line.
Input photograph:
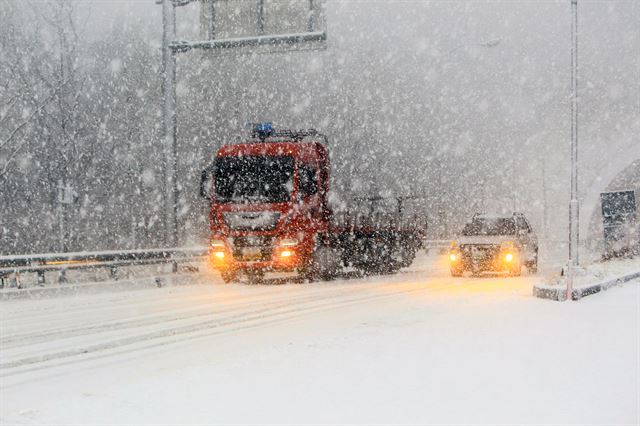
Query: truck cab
[268,202]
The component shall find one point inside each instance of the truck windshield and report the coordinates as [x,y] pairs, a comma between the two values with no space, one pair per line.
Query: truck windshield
[253,179]
[490,226]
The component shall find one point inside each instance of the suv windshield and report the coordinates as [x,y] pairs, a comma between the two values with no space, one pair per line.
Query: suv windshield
[490,226]
[258,179]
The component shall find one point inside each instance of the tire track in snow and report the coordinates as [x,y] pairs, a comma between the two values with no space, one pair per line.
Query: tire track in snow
[185,310]
[189,306]
[210,326]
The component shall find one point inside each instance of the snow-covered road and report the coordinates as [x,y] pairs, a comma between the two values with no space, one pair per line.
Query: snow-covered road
[417,347]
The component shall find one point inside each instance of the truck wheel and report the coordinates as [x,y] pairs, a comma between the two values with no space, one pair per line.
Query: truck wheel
[310,273]
[324,265]
[229,276]
[392,267]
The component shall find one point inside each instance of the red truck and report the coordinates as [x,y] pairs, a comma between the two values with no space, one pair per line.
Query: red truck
[270,212]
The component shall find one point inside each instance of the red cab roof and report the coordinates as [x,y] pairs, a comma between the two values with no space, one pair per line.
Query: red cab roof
[296,149]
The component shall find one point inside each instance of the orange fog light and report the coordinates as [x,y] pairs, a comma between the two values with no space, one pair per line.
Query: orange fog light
[453,257]
[508,257]
[286,253]
[219,254]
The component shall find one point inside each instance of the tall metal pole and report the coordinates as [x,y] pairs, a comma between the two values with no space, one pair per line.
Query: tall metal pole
[311,17]
[573,204]
[169,122]
[260,23]
[545,212]
[208,21]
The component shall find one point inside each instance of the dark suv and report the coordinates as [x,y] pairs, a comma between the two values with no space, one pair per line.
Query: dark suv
[495,243]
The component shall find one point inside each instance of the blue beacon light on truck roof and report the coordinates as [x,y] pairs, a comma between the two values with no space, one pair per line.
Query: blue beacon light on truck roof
[263,130]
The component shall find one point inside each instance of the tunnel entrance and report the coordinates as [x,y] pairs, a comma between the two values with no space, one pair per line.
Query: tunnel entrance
[614,228]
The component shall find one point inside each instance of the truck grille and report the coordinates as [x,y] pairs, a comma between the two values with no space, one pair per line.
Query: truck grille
[252,221]
[252,248]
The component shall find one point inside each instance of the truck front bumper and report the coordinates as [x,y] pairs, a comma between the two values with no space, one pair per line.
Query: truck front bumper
[283,259]
[483,259]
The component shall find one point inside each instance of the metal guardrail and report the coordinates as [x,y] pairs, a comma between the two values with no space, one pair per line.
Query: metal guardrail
[436,244]
[12,267]
[113,259]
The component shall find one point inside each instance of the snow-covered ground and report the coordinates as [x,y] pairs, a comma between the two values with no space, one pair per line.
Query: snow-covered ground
[417,347]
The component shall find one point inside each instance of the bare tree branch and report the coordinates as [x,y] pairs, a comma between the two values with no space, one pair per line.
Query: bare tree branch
[22,126]
[9,105]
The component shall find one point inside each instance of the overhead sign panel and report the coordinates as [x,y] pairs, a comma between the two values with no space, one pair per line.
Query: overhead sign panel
[259,26]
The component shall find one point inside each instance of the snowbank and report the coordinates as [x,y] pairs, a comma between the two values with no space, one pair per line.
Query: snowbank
[590,279]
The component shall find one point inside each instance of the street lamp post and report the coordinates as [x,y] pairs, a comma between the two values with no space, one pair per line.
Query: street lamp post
[169,122]
[573,203]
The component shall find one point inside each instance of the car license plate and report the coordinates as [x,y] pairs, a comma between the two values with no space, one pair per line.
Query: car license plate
[251,253]
[477,253]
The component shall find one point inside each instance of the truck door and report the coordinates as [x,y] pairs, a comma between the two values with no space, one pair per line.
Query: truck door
[308,190]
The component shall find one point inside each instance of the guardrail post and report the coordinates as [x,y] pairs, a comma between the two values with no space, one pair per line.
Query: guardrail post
[18,281]
[41,278]
[174,267]
[113,272]
[62,278]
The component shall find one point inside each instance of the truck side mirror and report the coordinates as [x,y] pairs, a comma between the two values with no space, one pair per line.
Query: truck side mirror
[206,183]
